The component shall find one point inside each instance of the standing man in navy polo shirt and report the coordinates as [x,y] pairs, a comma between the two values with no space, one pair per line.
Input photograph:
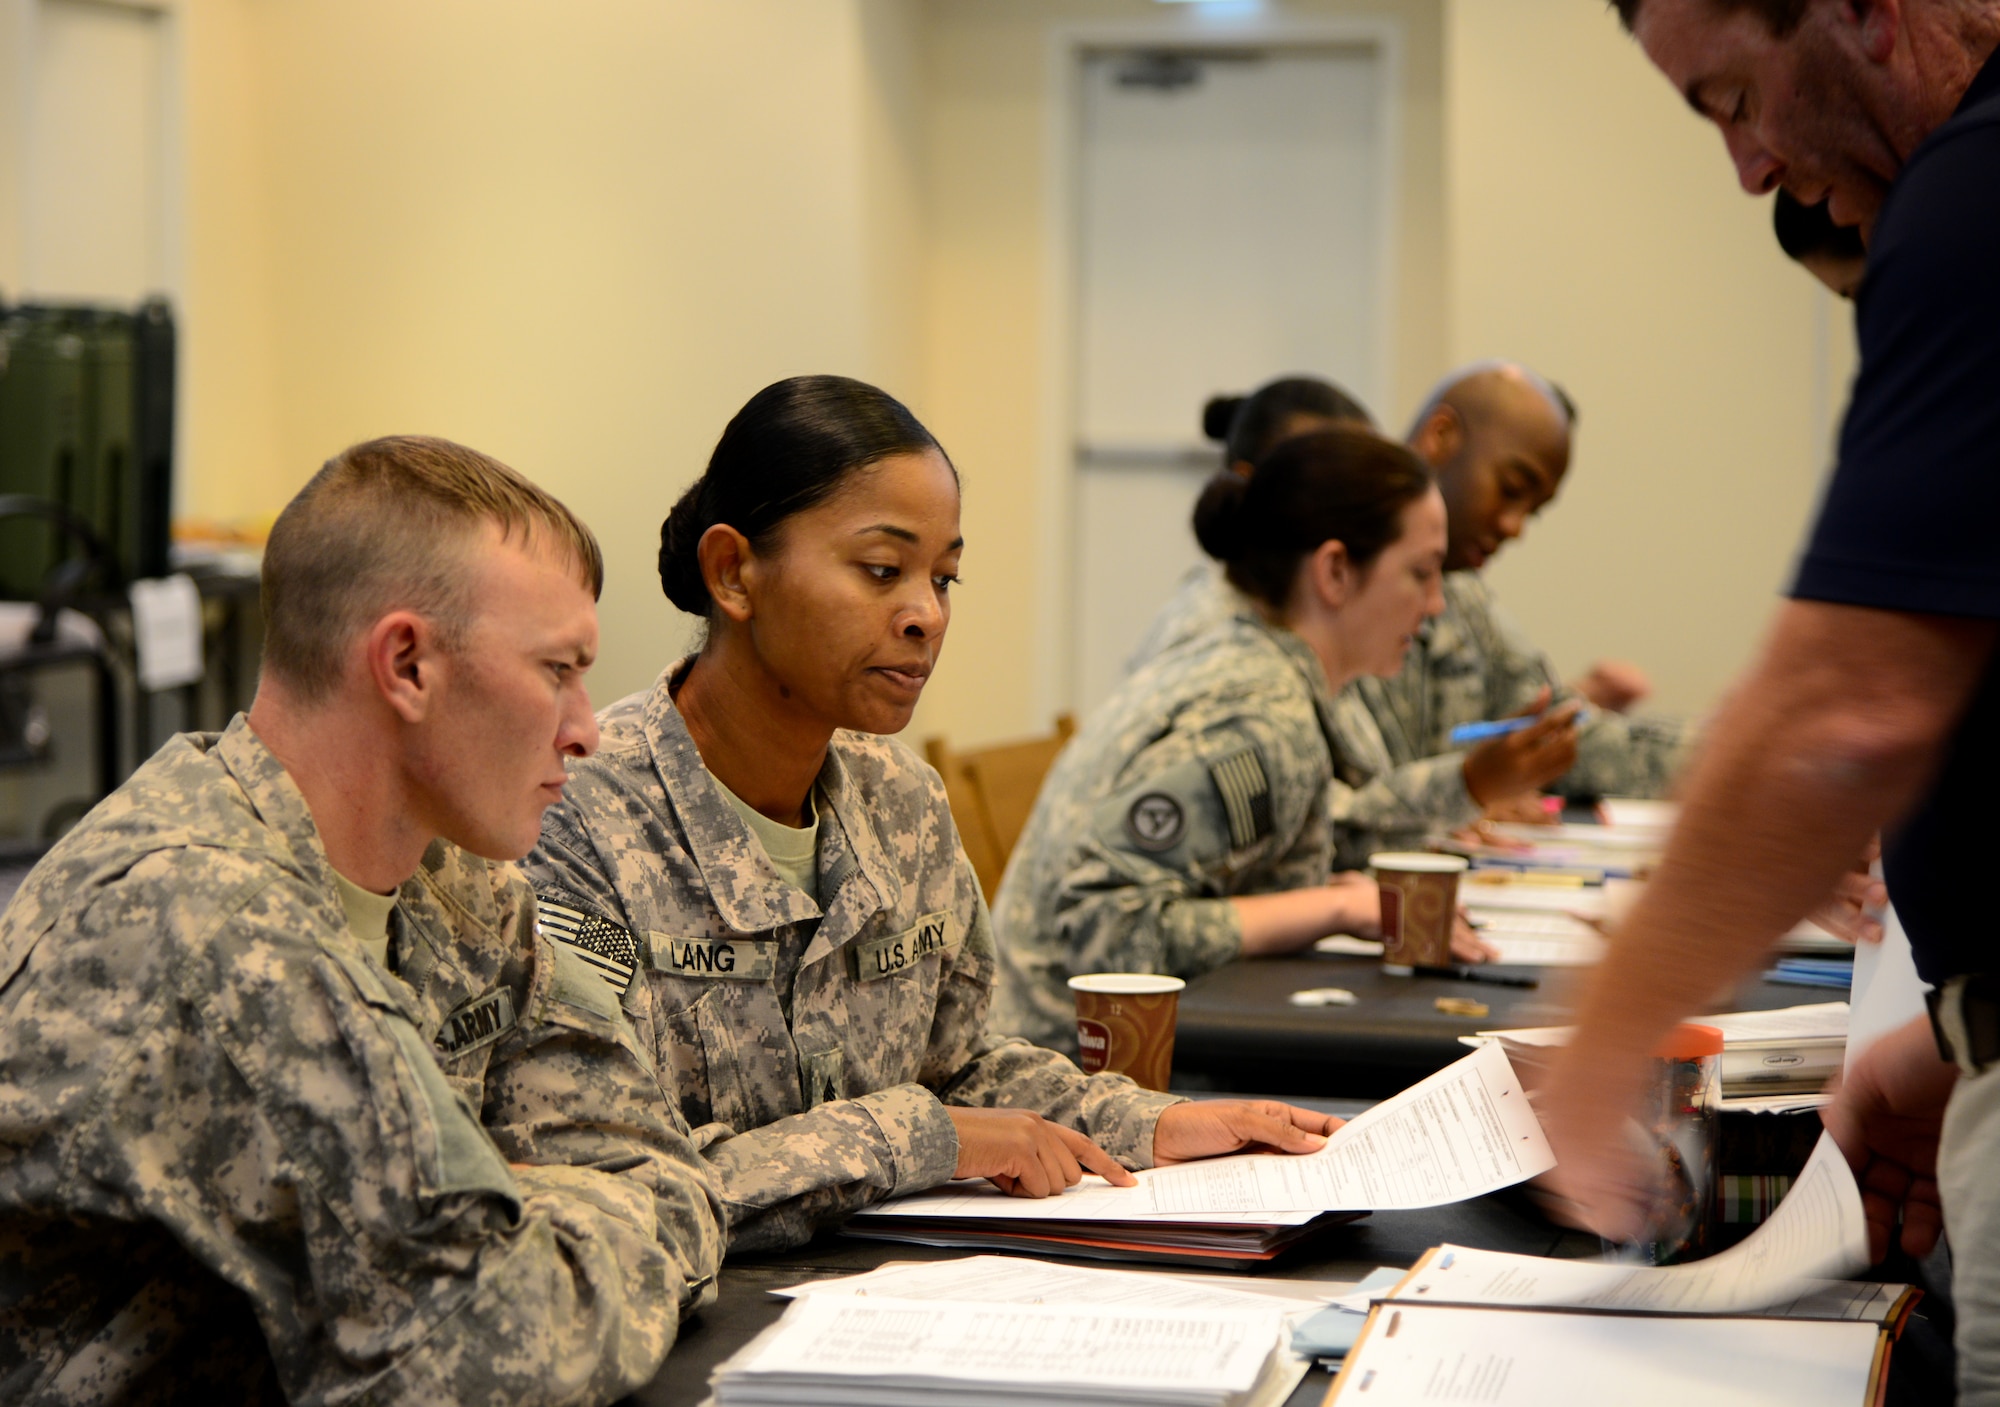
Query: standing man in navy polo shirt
[1876,701]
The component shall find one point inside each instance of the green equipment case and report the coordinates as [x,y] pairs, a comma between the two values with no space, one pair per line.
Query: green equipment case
[86,423]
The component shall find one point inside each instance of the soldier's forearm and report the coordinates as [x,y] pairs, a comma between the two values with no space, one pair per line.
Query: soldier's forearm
[578,1303]
[784,1181]
[1829,740]
[1284,923]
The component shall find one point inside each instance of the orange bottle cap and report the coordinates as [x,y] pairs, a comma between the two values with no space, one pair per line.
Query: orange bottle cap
[1688,1041]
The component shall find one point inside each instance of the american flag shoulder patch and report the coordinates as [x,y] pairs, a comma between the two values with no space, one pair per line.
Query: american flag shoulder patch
[609,949]
[1246,795]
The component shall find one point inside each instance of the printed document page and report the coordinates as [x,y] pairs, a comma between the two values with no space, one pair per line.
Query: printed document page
[1818,1234]
[1500,891]
[1887,990]
[1158,1353]
[1427,1354]
[1461,1133]
[1539,939]
[1627,814]
[1814,1021]
[1014,1280]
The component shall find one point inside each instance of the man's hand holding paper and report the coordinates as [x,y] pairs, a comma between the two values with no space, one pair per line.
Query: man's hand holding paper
[1886,1116]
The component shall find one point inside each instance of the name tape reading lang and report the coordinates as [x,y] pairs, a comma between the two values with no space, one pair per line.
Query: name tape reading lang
[714,959]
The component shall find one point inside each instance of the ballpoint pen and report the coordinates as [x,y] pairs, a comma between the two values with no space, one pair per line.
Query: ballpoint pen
[1501,727]
[1462,973]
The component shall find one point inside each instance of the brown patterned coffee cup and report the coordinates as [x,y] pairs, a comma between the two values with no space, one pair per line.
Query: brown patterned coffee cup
[1125,1023]
[1419,902]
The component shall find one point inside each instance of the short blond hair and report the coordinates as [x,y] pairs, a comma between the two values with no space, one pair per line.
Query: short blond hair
[383,526]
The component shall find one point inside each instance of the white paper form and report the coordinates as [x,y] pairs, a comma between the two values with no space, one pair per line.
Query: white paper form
[1463,1132]
[1014,1280]
[1815,1021]
[1818,1234]
[1582,900]
[1629,814]
[1539,938]
[1427,1354]
[1463,1275]
[1584,835]
[1887,990]
[1155,1355]
[166,632]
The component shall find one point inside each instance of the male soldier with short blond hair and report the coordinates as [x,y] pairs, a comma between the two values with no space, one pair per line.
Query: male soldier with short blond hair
[295,1103]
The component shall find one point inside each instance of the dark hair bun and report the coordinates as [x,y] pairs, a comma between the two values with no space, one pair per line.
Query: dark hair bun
[1345,484]
[1218,415]
[1218,515]
[680,553]
[790,447]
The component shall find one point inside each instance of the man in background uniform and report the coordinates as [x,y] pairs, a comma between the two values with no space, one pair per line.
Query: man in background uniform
[295,1104]
[1498,438]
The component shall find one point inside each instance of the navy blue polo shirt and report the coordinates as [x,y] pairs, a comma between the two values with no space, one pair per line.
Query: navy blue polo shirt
[1911,519]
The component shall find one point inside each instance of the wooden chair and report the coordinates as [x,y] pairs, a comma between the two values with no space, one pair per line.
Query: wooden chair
[992,790]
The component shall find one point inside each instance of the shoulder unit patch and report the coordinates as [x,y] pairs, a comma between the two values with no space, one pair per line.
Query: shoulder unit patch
[1155,822]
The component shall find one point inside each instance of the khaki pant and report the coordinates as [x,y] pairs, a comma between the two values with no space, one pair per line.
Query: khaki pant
[1969,1181]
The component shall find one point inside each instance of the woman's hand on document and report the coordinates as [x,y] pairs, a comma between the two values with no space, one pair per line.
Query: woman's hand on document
[1024,1155]
[1207,1128]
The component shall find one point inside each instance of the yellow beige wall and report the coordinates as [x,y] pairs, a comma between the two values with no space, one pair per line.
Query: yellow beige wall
[576,236]
[580,235]
[1597,231]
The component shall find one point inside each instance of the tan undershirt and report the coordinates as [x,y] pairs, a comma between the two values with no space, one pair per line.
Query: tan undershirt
[367,916]
[793,849]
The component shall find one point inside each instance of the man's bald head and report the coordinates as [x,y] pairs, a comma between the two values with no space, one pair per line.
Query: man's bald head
[1484,390]
[1498,436]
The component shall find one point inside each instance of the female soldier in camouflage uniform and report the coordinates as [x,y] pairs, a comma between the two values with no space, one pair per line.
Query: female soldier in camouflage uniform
[1190,821]
[1424,784]
[778,892]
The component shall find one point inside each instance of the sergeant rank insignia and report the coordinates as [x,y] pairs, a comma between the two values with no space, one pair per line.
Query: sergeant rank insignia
[609,949]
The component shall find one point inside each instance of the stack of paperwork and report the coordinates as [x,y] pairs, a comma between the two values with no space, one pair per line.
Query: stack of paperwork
[1773,1062]
[1461,1133]
[1758,1323]
[1540,924]
[993,1329]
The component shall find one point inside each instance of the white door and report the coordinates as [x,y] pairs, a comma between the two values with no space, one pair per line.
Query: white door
[1232,230]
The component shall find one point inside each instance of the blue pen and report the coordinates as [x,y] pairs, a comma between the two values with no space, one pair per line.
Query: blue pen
[1497,728]
[1501,727]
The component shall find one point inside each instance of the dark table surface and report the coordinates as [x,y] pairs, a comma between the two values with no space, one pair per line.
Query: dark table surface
[1239,1030]
[745,1306]
[1504,1221]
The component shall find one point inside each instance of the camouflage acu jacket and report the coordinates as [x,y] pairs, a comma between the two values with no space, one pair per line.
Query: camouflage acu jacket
[813,1040]
[1214,771]
[1379,802]
[1473,662]
[240,1161]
